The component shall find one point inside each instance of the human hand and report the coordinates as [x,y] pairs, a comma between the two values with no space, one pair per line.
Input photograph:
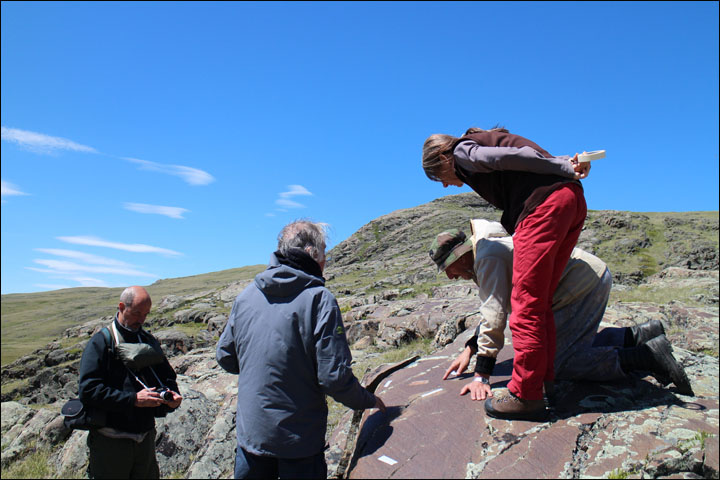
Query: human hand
[582,169]
[176,401]
[148,397]
[459,364]
[379,404]
[478,390]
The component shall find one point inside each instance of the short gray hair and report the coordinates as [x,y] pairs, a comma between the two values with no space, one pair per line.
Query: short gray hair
[128,296]
[305,235]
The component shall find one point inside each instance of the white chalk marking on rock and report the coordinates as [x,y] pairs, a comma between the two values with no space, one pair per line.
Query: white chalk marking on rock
[431,392]
[387,460]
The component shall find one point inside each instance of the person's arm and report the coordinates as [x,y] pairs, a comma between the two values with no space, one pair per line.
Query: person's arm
[226,352]
[476,158]
[494,282]
[333,360]
[93,385]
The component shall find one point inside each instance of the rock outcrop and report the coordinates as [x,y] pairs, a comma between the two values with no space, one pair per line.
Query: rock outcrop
[665,267]
[636,427]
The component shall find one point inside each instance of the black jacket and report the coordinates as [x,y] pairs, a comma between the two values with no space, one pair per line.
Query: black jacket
[106,383]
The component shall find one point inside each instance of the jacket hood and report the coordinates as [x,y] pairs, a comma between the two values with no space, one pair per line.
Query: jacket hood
[285,281]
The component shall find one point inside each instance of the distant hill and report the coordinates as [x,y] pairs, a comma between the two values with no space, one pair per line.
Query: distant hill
[389,252]
[30,320]
[393,249]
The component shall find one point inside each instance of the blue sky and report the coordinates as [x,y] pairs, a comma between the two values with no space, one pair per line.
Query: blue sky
[147,140]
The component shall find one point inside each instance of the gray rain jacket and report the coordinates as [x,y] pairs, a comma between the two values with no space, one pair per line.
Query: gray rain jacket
[286,341]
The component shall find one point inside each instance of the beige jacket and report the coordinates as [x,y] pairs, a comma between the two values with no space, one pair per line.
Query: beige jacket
[493,251]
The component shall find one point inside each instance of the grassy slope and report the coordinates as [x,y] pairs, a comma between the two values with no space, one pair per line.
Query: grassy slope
[652,259]
[31,320]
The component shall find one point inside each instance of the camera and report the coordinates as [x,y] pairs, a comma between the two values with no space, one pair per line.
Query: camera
[165,394]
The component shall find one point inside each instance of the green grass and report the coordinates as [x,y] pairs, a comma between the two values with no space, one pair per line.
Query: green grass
[659,295]
[698,440]
[618,473]
[652,259]
[33,465]
[50,313]
[13,385]
[189,329]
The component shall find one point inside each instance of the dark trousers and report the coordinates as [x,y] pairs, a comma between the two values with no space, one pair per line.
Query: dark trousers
[248,465]
[121,457]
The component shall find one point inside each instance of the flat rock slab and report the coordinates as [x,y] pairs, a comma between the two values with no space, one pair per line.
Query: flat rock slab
[430,431]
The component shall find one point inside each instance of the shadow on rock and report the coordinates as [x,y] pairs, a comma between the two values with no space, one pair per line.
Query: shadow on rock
[376,430]
[573,398]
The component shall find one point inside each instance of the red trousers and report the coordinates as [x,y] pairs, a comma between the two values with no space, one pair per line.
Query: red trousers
[542,244]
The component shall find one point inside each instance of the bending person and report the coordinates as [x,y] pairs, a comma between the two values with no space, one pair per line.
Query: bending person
[544,209]
[578,305]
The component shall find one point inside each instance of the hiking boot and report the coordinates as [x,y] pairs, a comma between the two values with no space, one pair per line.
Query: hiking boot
[643,333]
[655,356]
[510,407]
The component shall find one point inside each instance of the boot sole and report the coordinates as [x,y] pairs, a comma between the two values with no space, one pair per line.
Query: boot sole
[539,416]
[677,372]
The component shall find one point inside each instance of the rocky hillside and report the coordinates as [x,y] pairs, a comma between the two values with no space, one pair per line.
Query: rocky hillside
[665,266]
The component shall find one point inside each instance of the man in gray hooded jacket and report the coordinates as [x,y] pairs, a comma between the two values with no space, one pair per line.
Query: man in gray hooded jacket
[286,341]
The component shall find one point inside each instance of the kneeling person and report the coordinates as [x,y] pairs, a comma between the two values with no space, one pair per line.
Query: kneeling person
[578,307]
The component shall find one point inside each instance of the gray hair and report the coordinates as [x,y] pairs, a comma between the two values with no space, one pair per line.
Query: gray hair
[128,296]
[305,235]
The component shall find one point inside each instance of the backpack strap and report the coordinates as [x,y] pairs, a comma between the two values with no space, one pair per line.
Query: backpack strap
[108,340]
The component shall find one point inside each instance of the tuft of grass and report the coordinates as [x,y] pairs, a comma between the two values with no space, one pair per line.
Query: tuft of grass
[660,295]
[619,473]
[34,465]
[14,385]
[698,440]
[189,329]
[710,351]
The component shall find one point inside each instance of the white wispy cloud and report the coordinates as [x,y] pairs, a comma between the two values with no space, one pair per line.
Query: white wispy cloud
[128,247]
[52,286]
[42,143]
[90,282]
[63,267]
[8,189]
[83,281]
[285,201]
[172,212]
[295,190]
[190,175]
[84,257]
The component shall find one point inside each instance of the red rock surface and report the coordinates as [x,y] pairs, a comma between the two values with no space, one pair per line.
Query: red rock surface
[631,427]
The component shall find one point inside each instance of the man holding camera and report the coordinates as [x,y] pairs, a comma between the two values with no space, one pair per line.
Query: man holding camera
[125,446]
